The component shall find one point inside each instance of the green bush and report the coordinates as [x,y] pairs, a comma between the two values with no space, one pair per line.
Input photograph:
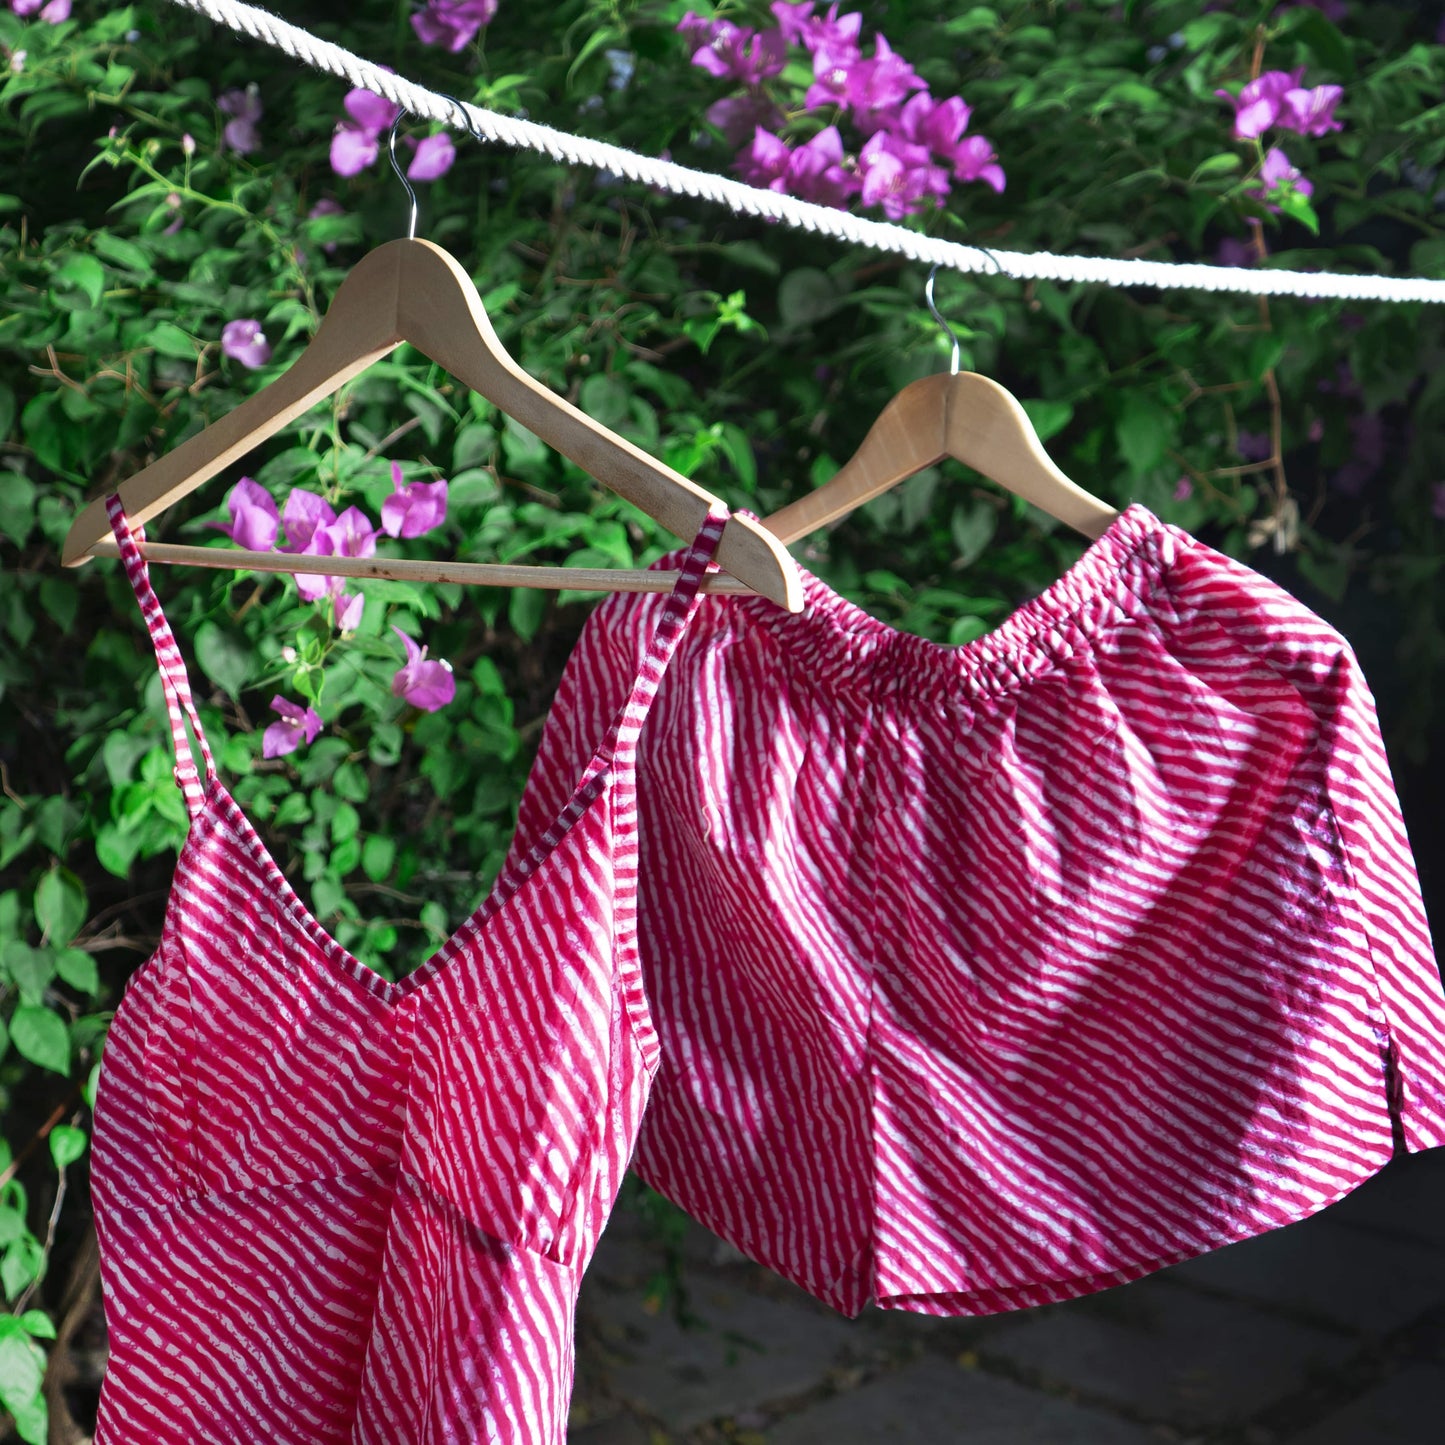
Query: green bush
[1303,437]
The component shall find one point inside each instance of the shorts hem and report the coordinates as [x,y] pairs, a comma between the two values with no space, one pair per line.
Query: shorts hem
[964,1302]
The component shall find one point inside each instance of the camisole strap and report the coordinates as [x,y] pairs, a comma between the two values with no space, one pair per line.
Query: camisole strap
[621,747]
[173,671]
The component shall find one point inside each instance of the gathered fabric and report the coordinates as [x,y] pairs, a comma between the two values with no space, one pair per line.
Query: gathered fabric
[333,1208]
[990,976]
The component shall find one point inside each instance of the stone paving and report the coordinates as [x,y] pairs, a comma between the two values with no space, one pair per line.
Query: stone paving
[1329,1332]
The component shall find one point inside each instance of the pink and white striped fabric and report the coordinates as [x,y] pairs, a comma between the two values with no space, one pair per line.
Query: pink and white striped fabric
[337,1209]
[995,975]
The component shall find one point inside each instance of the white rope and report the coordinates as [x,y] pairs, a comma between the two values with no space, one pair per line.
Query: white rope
[749,200]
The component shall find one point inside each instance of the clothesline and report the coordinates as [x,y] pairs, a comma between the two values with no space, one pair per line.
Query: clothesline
[742,199]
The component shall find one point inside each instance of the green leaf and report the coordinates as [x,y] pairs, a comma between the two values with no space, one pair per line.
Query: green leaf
[31,969]
[60,906]
[77,968]
[524,611]
[37,1323]
[67,1144]
[605,399]
[1048,417]
[83,273]
[378,854]
[806,296]
[225,659]
[17,503]
[972,528]
[169,340]
[1223,164]
[1143,432]
[22,1367]
[21,1264]
[41,1037]
[125,254]
[350,782]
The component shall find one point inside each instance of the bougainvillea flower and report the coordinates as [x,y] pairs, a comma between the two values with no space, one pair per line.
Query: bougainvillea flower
[357,140]
[370,111]
[349,535]
[731,52]
[348,611]
[813,171]
[877,87]
[1258,104]
[974,159]
[1311,112]
[800,26]
[937,124]
[452,23]
[433,158]
[244,341]
[737,116]
[898,175]
[254,521]
[305,515]
[297,725]
[423,682]
[1278,174]
[244,108]
[413,509]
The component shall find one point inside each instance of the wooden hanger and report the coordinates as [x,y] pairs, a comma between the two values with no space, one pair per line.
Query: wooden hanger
[411,290]
[961,415]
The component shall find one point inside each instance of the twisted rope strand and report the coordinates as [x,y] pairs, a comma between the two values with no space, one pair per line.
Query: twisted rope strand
[667,176]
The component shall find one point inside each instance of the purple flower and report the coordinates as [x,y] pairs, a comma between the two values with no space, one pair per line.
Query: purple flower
[307,517]
[1368,444]
[327,207]
[427,684]
[244,341]
[433,158]
[297,725]
[1183,489]
[253,517]
[306,514]
[730,52]
[349,535]
[737,116]
[348,611]
[452,23]
[1311,112]
[53,12]
[1234,252]
[1253,446]
[411,510]
[974,160]
[877,87]
[897,175]
[813,171]
[1437,489]
[1258,104]
[1277,175]
[356,143]
[801,27]
[244,108]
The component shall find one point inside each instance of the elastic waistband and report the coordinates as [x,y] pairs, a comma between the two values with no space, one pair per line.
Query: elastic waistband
[841,647]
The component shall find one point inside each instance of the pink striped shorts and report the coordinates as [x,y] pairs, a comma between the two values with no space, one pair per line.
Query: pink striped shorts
[990,976]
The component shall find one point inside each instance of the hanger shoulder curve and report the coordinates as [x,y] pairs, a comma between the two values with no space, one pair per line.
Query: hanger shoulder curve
[909,435]
[986,428]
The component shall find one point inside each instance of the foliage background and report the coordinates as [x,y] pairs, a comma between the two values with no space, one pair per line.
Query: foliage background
[747,356]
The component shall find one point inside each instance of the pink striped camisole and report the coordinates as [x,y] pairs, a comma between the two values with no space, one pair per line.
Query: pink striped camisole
[333,1208]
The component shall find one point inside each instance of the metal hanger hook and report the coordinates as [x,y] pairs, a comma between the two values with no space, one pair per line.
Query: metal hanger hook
[401,175]
[938,317]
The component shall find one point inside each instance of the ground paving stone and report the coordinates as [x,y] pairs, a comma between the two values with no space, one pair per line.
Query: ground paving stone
[1406,1198]
[743,1351]
[935,1403]
[1361,1281]
[1169,1353]
[1408,1409]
